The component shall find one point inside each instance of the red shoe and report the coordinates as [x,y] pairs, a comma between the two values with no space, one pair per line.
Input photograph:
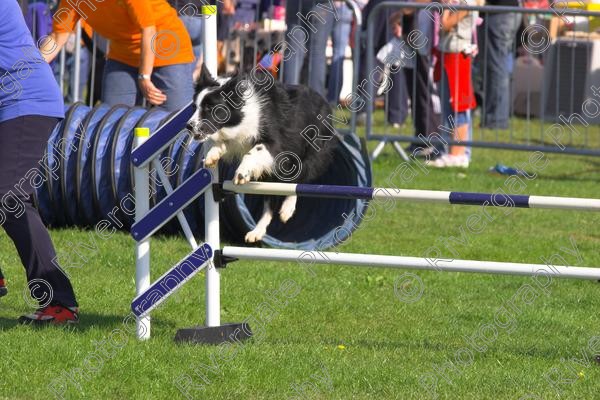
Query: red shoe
[53,314]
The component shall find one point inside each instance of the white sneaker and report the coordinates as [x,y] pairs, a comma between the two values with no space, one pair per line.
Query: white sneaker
[449,161]
[439,162]
[458,161]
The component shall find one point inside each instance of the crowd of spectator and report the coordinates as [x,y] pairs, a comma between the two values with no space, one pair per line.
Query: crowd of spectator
[465,65]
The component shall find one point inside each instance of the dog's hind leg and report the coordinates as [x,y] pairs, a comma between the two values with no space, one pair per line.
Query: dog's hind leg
[260,230]
[254,164]
[288,207]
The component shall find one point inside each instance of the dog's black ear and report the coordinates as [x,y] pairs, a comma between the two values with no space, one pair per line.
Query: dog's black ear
[205,79]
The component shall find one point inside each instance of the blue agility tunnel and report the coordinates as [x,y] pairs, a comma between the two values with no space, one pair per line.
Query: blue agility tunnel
[89,176]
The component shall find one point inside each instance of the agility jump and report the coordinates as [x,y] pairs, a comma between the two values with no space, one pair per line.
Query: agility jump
[212,257]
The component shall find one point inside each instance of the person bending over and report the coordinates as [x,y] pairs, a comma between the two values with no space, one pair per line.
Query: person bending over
[150,55]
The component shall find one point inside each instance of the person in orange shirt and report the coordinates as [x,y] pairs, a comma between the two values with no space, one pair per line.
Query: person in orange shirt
[150,53]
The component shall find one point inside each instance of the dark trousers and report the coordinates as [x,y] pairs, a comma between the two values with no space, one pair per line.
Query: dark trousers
[495,63]
[22,143]
[396,97]
[421,92]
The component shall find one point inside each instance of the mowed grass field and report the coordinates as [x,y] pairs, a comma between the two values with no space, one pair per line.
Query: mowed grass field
[342,332]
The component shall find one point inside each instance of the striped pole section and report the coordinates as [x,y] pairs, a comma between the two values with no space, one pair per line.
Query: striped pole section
[308,258]
[429,196]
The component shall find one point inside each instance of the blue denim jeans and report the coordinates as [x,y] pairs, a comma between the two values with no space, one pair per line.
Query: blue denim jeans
[317,62]
[295,35]
[326,25]
[120,85]
[340,38]
[497,55]
[193,25]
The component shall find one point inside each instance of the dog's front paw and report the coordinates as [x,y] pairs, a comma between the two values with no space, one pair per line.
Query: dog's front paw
[255,235]
[242,176]
[212,158]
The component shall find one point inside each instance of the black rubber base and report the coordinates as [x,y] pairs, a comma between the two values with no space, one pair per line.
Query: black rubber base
[214,334]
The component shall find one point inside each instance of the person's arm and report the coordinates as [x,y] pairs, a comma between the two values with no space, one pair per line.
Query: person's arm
[150,92]
[198,68]
[450,19]
[53,44]
[228,7]
[395,21]
[64,21]
[142,15]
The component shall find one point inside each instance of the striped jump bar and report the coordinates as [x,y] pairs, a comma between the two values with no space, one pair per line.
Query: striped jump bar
[431,196]
[171,281]
[163,137]
[180,198]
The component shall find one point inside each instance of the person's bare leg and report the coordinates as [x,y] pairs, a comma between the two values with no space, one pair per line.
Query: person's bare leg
[461,134]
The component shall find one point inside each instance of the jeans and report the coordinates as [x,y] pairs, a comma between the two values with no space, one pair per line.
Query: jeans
[193,25]
[120,85]
[340,38]
[317,62]
[497,55]
[297,36]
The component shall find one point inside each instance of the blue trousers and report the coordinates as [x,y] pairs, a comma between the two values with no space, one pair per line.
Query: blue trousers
[340,34]
[120,85]
[193,25]
[326,25]
[496,64]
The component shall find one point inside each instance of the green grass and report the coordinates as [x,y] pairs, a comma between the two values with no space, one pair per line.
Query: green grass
[388,344]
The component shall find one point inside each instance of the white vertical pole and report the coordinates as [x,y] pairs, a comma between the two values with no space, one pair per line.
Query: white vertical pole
[209,38]
[63,60]
[141,180]
[211,207]
[77,65]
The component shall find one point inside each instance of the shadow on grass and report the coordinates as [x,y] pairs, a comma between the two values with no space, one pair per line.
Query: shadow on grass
[87,321]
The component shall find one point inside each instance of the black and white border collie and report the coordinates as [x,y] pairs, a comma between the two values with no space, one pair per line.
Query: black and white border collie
[278,133]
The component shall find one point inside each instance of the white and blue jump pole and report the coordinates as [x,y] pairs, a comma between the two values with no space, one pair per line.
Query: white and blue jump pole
[429,196]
